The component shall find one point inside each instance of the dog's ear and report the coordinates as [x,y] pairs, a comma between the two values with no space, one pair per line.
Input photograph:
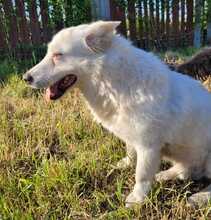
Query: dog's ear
[99,35]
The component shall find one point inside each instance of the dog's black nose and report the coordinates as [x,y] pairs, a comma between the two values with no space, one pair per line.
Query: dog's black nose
[28,78]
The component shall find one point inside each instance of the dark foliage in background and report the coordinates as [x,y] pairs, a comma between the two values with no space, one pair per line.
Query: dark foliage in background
[27,25]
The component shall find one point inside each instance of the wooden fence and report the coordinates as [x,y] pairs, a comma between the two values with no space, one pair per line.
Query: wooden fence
[163,24]
[26,25]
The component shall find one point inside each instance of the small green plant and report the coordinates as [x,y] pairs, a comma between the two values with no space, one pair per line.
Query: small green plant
[7,68]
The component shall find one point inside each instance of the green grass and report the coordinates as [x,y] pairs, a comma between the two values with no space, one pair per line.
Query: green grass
[57,163]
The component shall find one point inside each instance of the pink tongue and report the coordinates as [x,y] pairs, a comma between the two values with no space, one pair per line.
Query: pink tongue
[50,92]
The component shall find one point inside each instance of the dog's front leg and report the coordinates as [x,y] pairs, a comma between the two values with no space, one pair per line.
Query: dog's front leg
[148,160]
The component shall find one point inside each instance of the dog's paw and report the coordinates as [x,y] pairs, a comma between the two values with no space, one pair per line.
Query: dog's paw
[139,193]
[170,175]
[161,176]
[124,163]
[134,198]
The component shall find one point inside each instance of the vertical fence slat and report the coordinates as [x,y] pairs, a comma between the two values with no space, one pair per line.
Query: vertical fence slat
[209,22]
[197,28]
[140,22]
[22,22]
[44,11]
[167,22]
[204,22]
[11,22]
[152,19]
[132,20]
[3,39]
[146,24]
[34,23]
[182,27]
[162,17]
[157,2]
[189,24]
[175,22]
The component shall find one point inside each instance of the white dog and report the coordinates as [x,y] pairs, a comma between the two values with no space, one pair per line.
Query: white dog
[157,112]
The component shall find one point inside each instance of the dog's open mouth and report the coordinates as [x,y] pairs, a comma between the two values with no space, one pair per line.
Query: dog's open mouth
[56,90]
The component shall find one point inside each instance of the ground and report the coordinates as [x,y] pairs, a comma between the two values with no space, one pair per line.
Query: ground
[57,163]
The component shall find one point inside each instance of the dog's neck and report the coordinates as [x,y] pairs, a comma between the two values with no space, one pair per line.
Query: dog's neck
[101,97]
[116,76]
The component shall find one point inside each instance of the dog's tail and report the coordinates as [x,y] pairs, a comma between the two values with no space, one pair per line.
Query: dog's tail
[198,67]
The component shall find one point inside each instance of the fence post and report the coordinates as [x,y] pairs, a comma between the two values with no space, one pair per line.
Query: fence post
[209,22]
[189,23]
[100,9]
[197,29]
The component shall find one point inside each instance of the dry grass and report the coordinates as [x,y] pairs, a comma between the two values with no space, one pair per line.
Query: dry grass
[56,163]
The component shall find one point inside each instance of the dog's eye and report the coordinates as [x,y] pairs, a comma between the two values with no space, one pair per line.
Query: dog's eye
[56,57]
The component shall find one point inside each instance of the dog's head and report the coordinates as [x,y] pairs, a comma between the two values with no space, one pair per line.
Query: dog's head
[67,54]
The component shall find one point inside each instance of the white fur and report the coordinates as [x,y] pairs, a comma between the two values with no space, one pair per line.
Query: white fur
[157,112]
